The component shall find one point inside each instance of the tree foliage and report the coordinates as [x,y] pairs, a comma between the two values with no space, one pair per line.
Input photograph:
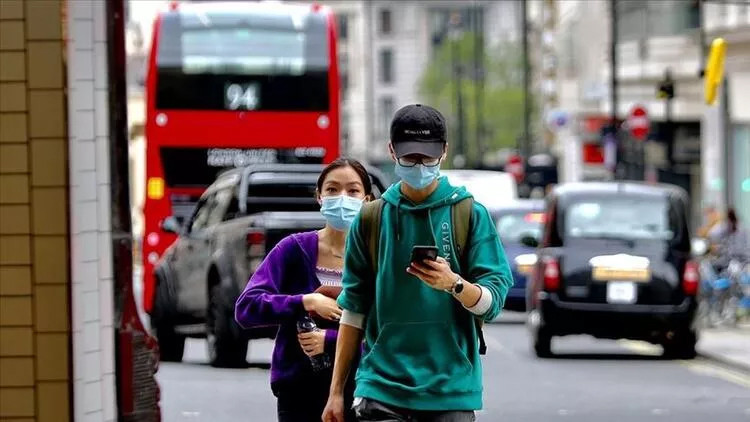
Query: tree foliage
[501,92]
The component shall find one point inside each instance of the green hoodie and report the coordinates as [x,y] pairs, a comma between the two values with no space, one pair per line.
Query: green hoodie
[421,347]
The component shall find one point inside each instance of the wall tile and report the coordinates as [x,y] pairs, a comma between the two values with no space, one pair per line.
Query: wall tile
[14,66]
[13,127]
[53,402]
[52,357]
[85,247]
[14,158]
[92,362]
[91,306]
[16,341]
[109,397]
[11,35]
[82,159]
[100,63]
[81,65]
[11,9]
[45,64]
[87,276]
[47,114]
[51,259]
[44,20]
[81,97]
[17,402]
[51,308]
[91,336]
[15,311]
[48,162]
[15,281]
[14,219]
[93,393]
[83,120]
[14,189]
[85,216]
[16,372]
[82,34]
[15,250]
[49,209]
[80,10]
[12,96]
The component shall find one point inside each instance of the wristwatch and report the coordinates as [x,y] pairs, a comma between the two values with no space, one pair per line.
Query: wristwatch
[458,286]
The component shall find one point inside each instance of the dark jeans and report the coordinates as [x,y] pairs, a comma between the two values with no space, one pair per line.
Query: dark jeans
[304,401]
[373,411]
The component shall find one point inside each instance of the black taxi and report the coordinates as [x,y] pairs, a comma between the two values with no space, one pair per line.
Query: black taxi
[614,262]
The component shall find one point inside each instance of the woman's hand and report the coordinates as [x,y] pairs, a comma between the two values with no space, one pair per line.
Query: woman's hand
[313,343]
[322,305]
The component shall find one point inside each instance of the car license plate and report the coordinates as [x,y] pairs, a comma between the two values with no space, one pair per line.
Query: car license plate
[621,292]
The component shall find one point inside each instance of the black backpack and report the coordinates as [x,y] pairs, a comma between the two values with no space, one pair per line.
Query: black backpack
[460,223]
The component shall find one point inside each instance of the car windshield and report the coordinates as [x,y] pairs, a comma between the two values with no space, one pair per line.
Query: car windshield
[514,225]
[619,217]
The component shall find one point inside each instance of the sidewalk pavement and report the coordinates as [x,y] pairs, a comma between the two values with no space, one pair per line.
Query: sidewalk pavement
[730,346]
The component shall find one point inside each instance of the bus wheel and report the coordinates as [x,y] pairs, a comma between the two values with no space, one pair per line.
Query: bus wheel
[227,348]
[171,344]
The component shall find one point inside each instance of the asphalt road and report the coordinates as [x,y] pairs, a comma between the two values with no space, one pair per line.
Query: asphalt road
[589,380]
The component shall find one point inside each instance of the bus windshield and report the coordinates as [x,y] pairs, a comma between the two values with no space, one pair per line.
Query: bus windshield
[242,62]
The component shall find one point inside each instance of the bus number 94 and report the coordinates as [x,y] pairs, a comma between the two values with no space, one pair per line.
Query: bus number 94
[241,97]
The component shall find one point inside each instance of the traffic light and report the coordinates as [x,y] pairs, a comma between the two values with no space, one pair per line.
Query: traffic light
[665,91]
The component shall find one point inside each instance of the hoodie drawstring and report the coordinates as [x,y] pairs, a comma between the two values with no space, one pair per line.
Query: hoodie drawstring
[398,213]
[432,230]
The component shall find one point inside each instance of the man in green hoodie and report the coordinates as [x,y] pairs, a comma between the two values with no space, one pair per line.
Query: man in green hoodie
[420,360]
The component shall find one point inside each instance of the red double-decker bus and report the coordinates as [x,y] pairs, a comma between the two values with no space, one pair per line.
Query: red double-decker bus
[231,84]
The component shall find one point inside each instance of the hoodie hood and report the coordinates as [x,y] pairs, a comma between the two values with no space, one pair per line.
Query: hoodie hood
[444,195]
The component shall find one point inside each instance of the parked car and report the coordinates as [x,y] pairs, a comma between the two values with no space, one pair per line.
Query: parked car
[615,262]
[493,189]
[515,222]
[238,219]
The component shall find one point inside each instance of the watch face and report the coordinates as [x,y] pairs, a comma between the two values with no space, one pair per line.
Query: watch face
[459,287]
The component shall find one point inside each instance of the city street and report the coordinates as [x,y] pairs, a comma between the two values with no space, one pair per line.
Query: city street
[588,381]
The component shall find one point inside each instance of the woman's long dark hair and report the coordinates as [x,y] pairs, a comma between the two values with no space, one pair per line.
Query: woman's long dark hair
[732,219]
[347,162]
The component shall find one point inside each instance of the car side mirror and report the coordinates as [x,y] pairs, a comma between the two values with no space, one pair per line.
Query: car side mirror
[699,247]
[529,241]
[170,225]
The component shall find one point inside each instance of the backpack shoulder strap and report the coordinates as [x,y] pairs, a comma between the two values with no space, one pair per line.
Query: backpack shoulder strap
[371,215]
[461,221]
[461,213]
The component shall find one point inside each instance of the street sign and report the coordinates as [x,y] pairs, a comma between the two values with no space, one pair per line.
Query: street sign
[515,167]
[638,123]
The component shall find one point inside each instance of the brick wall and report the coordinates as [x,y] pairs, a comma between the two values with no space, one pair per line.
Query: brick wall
[34,275]
[91,260]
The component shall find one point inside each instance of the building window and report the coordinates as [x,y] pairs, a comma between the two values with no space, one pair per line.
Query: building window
[342,24]
[386,65]
[386,114]
[385,24]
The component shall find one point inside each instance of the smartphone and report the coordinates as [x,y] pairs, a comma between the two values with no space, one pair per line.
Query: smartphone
[420,253]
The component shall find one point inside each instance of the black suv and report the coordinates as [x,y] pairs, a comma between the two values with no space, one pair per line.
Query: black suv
[238,219]
[615,262]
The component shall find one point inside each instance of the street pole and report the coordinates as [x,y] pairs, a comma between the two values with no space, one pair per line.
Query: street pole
[456,59]
[613,83]
[479,87]
[526,138]
[727,129]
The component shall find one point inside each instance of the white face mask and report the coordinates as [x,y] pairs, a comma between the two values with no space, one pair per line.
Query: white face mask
[340,211]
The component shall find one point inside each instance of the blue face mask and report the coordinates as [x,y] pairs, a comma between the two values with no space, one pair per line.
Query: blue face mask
[340,211]
[419,176]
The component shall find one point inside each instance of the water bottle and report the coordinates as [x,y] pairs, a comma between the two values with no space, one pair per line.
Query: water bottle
[321,361]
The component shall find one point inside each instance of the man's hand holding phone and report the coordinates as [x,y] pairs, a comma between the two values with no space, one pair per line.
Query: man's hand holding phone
[432,269]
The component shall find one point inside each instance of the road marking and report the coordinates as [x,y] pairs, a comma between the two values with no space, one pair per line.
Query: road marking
[699,366]
[704,367]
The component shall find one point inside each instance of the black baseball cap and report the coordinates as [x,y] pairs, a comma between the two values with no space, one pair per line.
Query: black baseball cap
[418,129]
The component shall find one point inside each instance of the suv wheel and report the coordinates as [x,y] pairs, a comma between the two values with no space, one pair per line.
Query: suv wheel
[171,344]
[542,339]
[226,346]
[681,346]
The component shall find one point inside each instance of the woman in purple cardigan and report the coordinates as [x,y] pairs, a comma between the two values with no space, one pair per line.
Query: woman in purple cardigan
[283,292]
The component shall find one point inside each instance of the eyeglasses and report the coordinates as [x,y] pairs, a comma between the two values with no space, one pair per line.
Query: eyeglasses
[411,162]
